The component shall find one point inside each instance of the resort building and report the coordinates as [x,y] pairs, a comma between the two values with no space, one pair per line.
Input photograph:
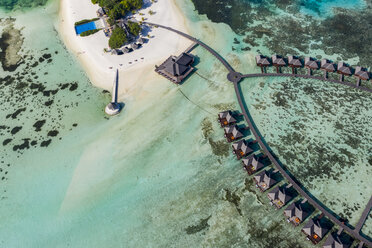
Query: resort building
[252,164]
[134,46]
[296,212]
[343,70]
[338,240]
[315,229]
[232,133]
[226,118]
[101,12]
[126,50]
[176,69]
[280,196]
[141,40]
[294,62]
[327,66]
[263,62]
[278,62]
[311,64]
[264,180]
[362,74]
[241,149]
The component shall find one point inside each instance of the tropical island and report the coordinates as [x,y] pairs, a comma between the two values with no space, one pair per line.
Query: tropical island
[114,21]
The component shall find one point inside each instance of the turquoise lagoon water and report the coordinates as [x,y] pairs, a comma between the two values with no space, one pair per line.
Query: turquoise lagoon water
[160,174]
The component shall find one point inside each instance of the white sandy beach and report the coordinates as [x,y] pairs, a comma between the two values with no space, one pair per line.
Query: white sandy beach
[136,67]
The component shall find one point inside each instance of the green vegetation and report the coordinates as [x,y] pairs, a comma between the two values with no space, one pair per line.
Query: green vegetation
[115,10]
[118,38]
[89,32]
[119,8]
[134,28]
[85,21]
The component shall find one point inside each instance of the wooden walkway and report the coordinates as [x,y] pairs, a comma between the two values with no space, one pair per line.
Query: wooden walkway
[235,77]
[364,216]
[209,49]
[306,76]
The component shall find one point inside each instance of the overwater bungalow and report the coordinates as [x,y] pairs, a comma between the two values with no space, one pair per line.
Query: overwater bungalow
[338,240]
[226,118]
[278,62]
[296,212]
[241,149]
[280,196]
[315,230]
[252,164]
[264,180]
[232,133]
[362,74]
[294,62]
[176,69]
[327,66]
[311,64]
[263,62]
[343,70]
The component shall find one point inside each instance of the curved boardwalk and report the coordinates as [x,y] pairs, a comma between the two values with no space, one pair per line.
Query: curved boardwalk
[267,150]
[209,49]
[235,78]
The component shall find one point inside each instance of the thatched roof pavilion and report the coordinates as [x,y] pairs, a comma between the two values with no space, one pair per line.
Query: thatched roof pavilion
[311,64]
[278,62]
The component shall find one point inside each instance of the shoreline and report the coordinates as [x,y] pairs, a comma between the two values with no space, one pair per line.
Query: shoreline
[100,67]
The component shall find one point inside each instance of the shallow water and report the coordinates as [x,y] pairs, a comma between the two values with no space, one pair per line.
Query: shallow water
[161,174]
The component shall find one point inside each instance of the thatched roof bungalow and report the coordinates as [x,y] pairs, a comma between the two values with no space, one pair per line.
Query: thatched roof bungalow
[278,62]
[362,74]
[315,229]
[233,133]
[226,118]
[241,149]
[327,66]
[252,164]
[280,196]
[343,70]
[265,180]
[296,213]
[311,64]
[294,62]
[263,62]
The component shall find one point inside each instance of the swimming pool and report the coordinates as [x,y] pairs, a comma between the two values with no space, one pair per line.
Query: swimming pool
[85,27]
